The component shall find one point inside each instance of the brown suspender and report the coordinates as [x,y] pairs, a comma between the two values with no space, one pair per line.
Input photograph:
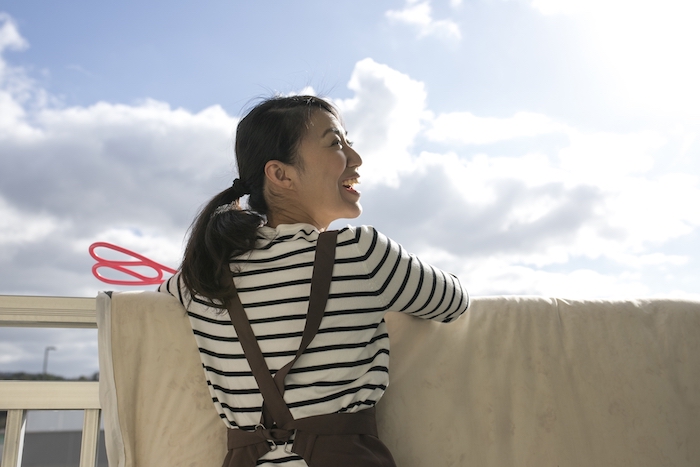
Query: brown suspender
[271,389]
[278,424]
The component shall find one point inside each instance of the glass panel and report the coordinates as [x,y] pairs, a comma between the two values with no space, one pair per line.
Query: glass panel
[53,439]
[64,353]
[3,421]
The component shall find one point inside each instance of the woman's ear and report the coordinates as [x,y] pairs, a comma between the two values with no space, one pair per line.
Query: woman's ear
[280,175]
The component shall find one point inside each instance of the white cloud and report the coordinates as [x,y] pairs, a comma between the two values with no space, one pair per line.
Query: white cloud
[555,7]
[420,16]
[467,128]
[16,88]
[653,211]
[600,157]
[593,198]
[17,227]
[516,220]
[153,131]
[384,117]
[654,259]
[10,38]
[498,276]
[605,156]
[71,175]
[89,169]
[597,178]
[495,277]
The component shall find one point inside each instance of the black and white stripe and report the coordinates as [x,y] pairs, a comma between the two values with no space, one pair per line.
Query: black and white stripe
[346,367]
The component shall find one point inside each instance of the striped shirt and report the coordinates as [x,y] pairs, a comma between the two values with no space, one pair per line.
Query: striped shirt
[346,366]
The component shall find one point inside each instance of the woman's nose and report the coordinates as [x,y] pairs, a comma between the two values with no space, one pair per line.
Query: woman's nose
[354,159]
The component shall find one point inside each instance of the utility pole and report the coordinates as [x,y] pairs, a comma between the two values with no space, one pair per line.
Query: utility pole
[46,357]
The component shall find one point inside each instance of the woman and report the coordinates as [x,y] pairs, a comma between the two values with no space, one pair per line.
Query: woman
[300,173]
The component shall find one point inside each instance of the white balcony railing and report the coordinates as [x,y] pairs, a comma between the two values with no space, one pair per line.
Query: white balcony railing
[17,397]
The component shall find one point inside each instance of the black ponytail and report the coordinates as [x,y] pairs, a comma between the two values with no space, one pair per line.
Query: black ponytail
[272,130]
[214,239]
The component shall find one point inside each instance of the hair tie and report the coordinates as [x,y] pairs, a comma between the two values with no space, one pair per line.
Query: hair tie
[223,208]
[240,188]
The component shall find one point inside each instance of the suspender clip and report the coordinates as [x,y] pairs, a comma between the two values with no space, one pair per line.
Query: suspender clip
[289,444]
[271,442]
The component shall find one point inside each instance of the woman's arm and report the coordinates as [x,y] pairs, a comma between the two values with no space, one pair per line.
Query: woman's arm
[400,281]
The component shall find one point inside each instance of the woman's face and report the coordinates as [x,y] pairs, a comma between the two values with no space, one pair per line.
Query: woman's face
[327,172]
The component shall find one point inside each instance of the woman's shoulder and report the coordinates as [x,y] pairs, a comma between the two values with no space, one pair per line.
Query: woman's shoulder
[352,241]
[193,303]
[357,233]
[364,238]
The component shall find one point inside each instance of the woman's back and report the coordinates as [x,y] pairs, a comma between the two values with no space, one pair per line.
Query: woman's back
[345,369]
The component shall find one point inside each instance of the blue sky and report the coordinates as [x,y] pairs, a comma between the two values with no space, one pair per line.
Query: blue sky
[540,147]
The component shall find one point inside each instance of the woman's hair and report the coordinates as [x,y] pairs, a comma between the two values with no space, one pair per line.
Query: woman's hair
[272,130]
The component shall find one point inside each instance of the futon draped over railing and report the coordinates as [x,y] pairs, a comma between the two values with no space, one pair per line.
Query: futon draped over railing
[516,381]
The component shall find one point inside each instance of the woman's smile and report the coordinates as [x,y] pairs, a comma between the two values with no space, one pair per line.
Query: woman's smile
[350,183]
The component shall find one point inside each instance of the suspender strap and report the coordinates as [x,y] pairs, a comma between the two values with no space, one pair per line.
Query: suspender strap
[320,285]
[271,389]
[247,447]
[255,358]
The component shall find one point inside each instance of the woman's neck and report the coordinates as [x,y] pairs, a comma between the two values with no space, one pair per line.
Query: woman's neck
[278,218]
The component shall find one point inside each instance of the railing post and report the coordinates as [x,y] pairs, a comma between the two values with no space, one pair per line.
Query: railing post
[14,438]
[19,396]
[91,433]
